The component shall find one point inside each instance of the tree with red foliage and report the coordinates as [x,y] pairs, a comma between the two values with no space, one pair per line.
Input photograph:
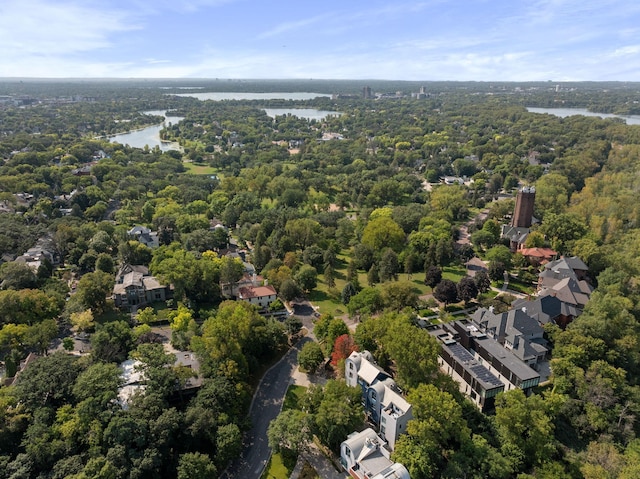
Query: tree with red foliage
[342,348]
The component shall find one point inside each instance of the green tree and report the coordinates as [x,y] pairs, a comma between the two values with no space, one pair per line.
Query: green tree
[83,320]
[40,335]
[307,277]
[501,254]
[339,412]
[562,229]
[400,295]
[446,292]
[413,349]
[367,301]
[15,275]
[382,233]
[482,281]
[330,276]
[433,276]
[196,465]
[100,382]
[48,381]
[388,267]
[437,430]
[93,289]
[525,428]
[310,356]
[290,431]
[467,289]
[347,293]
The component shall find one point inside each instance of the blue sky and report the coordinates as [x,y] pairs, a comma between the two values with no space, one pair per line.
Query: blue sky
[514,40]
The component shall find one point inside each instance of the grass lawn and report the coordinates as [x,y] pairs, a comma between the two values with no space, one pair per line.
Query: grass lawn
[454,273]
[201,169]
[293,397]
[525,288]
[113,314]
[329,300]
[280,467]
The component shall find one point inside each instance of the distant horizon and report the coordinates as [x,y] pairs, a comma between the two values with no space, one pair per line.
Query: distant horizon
[359,80]
[408,40]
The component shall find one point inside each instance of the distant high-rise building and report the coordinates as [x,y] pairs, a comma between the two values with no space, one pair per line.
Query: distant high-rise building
[523,213]
[366,92]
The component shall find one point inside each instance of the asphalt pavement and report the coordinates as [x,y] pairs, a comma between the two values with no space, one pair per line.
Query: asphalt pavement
[265,406]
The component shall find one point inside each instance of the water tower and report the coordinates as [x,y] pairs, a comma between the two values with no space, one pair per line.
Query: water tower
[523,213]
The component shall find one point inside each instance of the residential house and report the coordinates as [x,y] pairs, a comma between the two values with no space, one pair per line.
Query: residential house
[547,309]
[136,287]
[572,263]
[145,236]
[538,256]
[382,399]
[40,254]
[364,456]
[517,236]
[517,331]
[261,296]
[501,361]
[474,379]
[566,279]
[133,380]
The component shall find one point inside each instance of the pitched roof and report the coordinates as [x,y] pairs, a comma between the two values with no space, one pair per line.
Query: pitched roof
[573,262]
[546,308]
[538,253]
[570,291]
[247,292]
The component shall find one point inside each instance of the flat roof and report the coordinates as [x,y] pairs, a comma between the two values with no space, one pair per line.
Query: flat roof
[507,358]
[479,372]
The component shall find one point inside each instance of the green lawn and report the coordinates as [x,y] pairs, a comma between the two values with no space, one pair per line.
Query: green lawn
[279,467]
[293,397]
[329,301]
[201,169]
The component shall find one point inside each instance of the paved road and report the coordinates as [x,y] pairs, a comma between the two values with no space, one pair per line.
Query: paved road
[265,406]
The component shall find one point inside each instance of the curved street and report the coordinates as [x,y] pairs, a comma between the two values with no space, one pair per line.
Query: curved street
[266,405]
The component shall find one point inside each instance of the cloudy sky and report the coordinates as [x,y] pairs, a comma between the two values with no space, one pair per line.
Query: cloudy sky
[513,40]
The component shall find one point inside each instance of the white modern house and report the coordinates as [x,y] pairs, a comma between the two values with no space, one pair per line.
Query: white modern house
[382,399]
[364,456]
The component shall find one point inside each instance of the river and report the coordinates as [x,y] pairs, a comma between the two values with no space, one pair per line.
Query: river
[150,135]
[565,112]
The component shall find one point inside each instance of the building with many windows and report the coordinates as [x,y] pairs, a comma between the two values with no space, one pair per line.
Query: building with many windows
[382,399]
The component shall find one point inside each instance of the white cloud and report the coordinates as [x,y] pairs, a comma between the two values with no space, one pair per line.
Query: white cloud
[36,27]
[626,51]
[293,25]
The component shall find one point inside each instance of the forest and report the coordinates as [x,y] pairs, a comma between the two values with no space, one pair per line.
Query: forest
[351,212]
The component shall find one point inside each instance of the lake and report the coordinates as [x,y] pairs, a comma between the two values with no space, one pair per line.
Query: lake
[308,113]
[224,95]
[565,112]
[150,135]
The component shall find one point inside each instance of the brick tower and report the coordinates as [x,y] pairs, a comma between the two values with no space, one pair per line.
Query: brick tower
[523,213]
